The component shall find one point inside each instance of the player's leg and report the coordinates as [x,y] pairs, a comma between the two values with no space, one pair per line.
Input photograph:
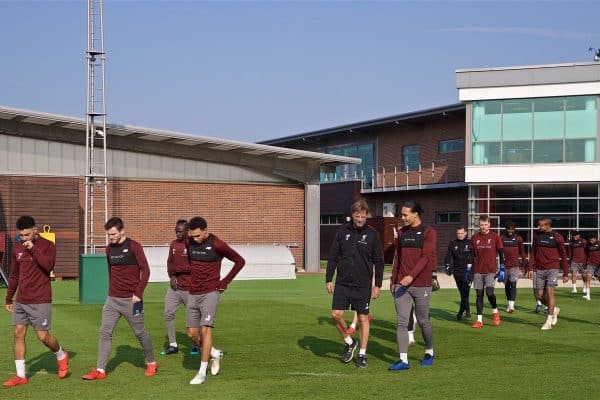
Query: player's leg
[421,298]
[404,305]
[136,322]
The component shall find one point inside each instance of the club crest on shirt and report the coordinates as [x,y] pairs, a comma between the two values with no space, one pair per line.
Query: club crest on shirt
[19,256]
[455,247]
[347,236]
[125,251]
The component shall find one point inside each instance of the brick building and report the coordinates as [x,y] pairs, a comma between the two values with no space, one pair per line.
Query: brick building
[249,193]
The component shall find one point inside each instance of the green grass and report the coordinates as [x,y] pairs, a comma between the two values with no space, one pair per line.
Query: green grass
[279,344]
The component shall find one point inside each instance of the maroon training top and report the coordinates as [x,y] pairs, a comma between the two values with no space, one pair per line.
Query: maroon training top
[415,255]
[513,249]
[206,265]
[30,272]
[485,249]
[548,252]
[127,268]
[178,264]
[577,250]
[593,254]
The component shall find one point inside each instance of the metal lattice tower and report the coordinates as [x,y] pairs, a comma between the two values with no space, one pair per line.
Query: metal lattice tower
[96,184]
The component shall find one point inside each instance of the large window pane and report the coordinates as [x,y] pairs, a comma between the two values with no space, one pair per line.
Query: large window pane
[549,118]
[486,120]
[581,150]
[588,190]
[510,191]
[410,157]
[517,119]
[516,152]
[554,205]
[559,222]
[588,221]
[549,190]
[588,205]
[486,153]
[510,206]
[581,117]
[547,151]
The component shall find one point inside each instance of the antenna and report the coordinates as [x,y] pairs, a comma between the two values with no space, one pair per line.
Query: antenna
[96,184]
[596,53]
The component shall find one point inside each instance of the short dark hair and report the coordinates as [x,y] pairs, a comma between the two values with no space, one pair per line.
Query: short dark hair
[114,222]
[414,207]
[197,222]
[462,227]
[484,218]
[575,233]
[545,219]
[25,222]
[359,205]
[593,235]
[181,222]
[510,225]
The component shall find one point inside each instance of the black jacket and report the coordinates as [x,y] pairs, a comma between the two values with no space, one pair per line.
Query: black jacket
[459,254]
[353,253]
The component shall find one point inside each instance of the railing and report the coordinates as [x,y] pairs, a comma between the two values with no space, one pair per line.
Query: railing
[399,177]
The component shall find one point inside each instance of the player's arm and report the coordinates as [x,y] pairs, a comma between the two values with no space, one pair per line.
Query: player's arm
[560,242]
[333,258]
[44,255]
[170,262]
[13,280]
[138,251]
[238,262]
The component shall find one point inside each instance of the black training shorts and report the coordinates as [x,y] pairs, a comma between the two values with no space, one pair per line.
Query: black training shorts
[346,296]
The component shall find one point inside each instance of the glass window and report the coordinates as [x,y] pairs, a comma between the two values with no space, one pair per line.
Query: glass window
[516,152]
[558,221]
[510,191]
[450,217]
[554,205]
[487,121]
[549,190]
[486,153]
[410,157]
[478,191]
[366,152]
[588,221]
[510,206]
[517,119]
[451,146]
[548,151]
[581,150]
[581,117]
[588,205]
[588,190]
[549,118]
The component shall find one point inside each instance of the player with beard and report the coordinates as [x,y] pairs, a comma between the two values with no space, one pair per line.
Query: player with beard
[547,255]
[513,250]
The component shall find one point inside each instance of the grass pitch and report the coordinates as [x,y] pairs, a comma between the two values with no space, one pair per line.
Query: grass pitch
[279,343]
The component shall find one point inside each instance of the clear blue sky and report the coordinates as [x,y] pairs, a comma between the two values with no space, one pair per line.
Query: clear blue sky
[253,71]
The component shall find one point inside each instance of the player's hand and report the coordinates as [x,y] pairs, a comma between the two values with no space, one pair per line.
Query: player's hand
[375,292]
[135,299]
[28,244]
[329,287]
[9,307]
[530,274]
[406,281]
[173,283]
[565,279]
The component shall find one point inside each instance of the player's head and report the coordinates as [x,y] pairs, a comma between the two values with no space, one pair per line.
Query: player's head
[181,229]
[359,212]
[510,228]
[198,229]
[411,213]
[26,228]
[115,229]
[461,232]
[484,224]
[576,235]
[545,224]
[593,237]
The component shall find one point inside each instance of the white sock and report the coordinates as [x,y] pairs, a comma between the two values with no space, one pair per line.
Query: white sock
[511,304]
[404,357]
[480,318]
[215,352]
[411,336]
[539,302]
[173,344]
[203,366]
[362,352]
[60,354]
[348,339]
[99,370]
[429,351]
[574,286]
[20,366]
[353,325]
[495,311]
[549,318]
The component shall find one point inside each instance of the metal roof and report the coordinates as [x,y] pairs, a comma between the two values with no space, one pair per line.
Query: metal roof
[175,138]
[413,116]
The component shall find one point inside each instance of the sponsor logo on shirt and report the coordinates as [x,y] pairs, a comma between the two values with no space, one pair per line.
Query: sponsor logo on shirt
[125,251]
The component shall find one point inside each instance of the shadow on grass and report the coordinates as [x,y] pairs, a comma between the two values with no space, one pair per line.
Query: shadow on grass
[46,361]
[127,354]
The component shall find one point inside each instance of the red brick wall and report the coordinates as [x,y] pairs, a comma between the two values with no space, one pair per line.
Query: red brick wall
[237,213]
